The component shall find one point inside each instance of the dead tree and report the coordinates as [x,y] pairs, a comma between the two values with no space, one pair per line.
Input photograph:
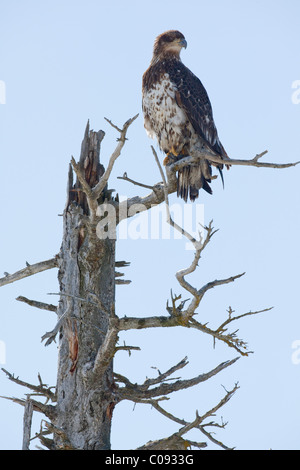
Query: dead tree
[78,410]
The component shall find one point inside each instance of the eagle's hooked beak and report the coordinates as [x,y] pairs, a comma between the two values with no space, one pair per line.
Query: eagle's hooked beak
[183,43]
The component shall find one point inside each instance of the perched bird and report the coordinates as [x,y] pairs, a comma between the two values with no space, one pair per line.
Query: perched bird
[178,113]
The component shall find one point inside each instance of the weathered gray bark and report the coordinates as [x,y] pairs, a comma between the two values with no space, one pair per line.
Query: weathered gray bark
[86,271]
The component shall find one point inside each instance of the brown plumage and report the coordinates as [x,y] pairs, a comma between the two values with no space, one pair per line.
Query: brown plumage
[178,113]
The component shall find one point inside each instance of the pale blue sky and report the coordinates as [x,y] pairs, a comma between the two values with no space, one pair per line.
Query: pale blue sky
[64,62]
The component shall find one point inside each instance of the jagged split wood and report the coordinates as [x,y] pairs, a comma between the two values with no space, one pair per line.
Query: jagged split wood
[87,390]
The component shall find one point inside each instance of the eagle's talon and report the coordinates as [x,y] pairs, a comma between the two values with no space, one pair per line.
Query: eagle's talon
[170,158]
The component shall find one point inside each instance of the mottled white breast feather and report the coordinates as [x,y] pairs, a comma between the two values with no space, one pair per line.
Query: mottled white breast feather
[164,119]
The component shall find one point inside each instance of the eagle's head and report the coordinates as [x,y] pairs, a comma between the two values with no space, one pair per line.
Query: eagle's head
[170,42]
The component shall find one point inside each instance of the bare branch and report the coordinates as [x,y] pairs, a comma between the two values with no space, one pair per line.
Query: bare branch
[138,323]
[198,423]
[94,193]
[51,429]
[141,392]
[114,125]
[231,319]
[85,186]
[161,377]
[122,281]
[122,264]
[107,350]
[152,199]
[221,403]
[180,275]
[173,442]
[157,196]
[27,420]
[230,339]
[35,303]
[127,348]
[97,190]
[40,390]
[82,299]
[197,154]
[51,335]
[48,410]
[213,439]
[183,320]
[217,282]
[46,442]
[136,183]
[184,317]
[29,271]
[166,192]
[199,247]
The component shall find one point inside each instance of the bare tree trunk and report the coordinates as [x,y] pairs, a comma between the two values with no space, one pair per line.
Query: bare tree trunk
[87,389]
[87,271]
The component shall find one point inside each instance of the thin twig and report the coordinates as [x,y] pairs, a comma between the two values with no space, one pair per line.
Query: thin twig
[93,194]
[217,282]
[51,429]
[113,125]
[51,335]
[198,423]
[162,377]
[231,319]
[35,303]
[85,186]
[82,299]
[29,271]
[180,275]
[48,410]
[169,218]
[197,154]
[127,348]
[97,190]
[41,390]
[157,196]
[140,392]
[136,183]
[122,281]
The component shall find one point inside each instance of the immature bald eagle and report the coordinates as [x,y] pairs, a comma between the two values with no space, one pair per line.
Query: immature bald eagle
[177,111]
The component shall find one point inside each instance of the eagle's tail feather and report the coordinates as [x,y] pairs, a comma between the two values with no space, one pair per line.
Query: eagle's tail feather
[191,178]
